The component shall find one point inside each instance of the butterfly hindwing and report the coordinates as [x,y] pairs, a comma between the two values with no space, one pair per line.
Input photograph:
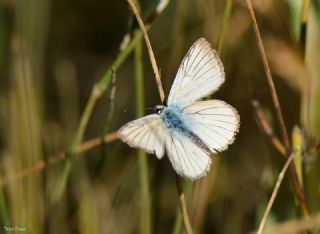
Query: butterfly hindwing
[200,73]
[214,122]
[187,158]
[147,133]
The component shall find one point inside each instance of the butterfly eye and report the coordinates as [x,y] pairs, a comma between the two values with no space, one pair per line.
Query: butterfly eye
[159,109]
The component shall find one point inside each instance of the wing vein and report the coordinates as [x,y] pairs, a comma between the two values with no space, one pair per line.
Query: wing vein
[187,157]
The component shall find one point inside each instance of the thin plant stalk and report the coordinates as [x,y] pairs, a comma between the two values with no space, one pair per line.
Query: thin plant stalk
[274,194]
[149,48]
[97,90]
[305,11]
[145,211]
[225,22]
[3,209]
[162,97]
[293,226]
[54,159]
[297,188]
[178,221]
[100,87]
[273,90]
[183,205]
[267,128]
[106,130]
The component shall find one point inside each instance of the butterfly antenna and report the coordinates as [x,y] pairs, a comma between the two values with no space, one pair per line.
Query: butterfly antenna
[133,110]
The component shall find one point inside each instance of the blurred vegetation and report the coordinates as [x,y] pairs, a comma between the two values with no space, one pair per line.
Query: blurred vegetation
[52,53]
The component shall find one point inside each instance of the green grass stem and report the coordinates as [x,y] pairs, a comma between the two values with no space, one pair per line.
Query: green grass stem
[3,209]
[177,228]
[96,93]
[225,22]
[145,211]
[100,87]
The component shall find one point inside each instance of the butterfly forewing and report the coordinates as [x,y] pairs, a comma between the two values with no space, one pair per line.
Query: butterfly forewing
[214,122]
[200,73]
[147,133]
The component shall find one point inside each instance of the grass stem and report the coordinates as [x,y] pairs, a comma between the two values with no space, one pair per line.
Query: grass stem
[161,93]
[272,87]
[183,205]
[178,222]
[61,156]
[225,22]
[3,209]
[149,48]
[267,128]
[274,193]
[297,188]
[145,211]
[99,88]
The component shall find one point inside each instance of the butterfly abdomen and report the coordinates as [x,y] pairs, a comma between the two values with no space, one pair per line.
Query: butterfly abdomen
[177,123]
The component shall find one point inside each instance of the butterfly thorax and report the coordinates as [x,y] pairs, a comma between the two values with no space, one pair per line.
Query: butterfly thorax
[176,121]
[172,117]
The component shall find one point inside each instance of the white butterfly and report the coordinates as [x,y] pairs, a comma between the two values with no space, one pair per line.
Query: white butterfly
[187,129]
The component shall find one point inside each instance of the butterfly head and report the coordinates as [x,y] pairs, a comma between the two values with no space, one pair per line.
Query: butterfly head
[159,108]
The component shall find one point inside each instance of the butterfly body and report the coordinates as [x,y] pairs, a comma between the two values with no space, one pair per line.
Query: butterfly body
[173,118]
[188,129]
[177,123]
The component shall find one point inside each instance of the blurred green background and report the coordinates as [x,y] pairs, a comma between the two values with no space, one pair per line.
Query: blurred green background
[52,53]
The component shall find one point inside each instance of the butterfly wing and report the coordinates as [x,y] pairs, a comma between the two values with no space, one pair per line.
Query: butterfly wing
[214,122]
[147,133]
[200,73]
[187,158]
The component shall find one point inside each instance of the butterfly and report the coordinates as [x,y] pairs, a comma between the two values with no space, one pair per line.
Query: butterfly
[187,128]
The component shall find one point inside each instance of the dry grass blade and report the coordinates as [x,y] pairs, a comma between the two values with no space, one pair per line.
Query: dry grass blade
[269,77]
[312,224]
[267,129]
[97,91]
[57,158]
[274,193]
[182,198]
[305,12]
[144,184]
[150,51]
[162,97]
[275,99]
